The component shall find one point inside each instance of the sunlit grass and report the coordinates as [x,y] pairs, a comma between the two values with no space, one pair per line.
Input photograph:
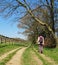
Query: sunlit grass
[52,53]
[5,48]
[27,57]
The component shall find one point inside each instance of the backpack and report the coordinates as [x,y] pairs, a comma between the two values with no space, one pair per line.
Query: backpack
[41,40]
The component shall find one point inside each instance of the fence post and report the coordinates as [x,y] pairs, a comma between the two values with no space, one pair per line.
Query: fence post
[1,40]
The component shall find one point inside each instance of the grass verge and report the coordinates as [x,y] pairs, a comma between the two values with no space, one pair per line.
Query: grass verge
[52,53]
[7,48]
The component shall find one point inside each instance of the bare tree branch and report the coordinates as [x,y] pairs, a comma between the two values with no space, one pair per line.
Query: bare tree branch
[47,2]
[20,3]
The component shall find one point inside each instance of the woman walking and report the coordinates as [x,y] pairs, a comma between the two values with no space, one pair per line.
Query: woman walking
[41,43]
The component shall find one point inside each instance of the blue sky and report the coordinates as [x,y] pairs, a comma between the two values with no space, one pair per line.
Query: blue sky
[7,27]
[10,29]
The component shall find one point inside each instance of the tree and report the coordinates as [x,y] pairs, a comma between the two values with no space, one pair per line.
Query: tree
[26,6]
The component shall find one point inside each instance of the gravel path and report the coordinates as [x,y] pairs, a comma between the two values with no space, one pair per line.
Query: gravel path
[16,59]
[36,59]
[48,59]
[6,54]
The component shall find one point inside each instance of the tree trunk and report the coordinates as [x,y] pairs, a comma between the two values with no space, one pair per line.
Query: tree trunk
[52,15]
[50,40]
[49,29]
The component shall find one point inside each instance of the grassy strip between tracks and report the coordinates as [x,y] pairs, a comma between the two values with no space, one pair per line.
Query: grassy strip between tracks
[27,57]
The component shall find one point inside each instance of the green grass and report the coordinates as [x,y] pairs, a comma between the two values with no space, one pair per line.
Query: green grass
[5,48]
[52,53]
[27,57]
[44,61]
[4,61]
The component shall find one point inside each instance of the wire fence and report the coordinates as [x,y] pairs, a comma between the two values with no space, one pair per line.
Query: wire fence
[5,40]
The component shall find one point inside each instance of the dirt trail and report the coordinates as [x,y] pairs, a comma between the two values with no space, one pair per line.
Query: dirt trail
[48,59]
[16,60]
[52,62]
[6,54]
[37,60]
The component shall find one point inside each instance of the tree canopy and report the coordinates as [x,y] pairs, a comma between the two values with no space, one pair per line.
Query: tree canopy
[45,12]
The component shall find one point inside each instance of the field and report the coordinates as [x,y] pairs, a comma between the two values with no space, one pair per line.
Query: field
[28,55]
